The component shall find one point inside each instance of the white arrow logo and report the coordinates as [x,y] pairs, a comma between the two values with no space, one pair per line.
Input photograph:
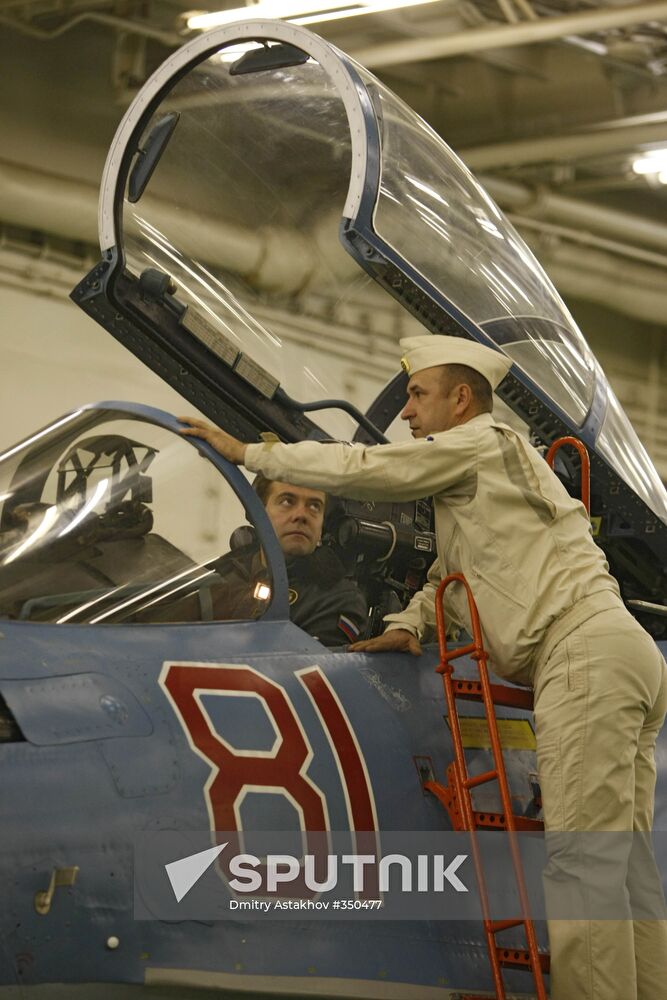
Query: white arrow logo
[186,872]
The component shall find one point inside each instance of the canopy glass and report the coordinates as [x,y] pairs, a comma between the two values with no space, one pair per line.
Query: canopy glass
[109,518]
[244,210]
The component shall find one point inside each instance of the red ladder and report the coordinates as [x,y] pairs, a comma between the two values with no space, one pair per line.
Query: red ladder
[457,799]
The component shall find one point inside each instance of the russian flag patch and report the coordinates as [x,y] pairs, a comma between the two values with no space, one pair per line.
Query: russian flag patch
[349,628]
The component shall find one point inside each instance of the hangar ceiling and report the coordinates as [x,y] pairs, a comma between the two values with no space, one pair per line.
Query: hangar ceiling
[548,102]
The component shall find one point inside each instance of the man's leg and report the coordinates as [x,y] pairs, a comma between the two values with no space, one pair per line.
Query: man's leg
[644,881]
[591,701]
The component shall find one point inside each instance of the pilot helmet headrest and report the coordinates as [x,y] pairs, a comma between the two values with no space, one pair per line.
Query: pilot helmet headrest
[430,350]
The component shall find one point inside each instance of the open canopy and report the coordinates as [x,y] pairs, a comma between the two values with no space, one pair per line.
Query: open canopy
[248,164]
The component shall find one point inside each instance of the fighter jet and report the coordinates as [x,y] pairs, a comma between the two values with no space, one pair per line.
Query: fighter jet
[261,186]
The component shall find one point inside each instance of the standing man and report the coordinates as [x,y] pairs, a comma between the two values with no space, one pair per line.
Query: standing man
[551,617]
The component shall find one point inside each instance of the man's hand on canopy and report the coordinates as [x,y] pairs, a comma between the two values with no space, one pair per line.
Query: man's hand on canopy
[395,640]
[229,447]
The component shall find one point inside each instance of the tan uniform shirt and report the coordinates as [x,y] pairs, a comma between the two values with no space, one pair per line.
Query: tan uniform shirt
[502,518]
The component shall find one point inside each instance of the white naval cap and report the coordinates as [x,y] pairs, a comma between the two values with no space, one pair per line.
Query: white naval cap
[433,349]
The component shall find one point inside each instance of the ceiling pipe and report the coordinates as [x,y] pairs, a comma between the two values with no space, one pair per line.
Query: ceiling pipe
[613,289]
[36,200]
[498,36]
[542,203]
[556,149]
[272,259]
[67,207]
[585,237]
[636,280]
[268,258]
[170,39]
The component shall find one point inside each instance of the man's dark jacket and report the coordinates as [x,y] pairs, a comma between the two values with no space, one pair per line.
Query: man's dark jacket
[323,601]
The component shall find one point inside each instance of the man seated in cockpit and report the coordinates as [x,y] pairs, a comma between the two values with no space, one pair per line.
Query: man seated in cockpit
[324,601]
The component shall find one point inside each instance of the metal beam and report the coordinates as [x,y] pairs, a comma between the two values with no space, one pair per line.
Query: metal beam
[498,36]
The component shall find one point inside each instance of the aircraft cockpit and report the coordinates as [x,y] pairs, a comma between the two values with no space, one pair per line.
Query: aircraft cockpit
[109,516]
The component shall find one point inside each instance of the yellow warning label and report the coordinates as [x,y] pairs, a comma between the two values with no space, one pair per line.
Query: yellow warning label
[596,524]
[515,734]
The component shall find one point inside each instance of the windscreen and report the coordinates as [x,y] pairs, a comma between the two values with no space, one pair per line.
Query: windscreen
[107,519]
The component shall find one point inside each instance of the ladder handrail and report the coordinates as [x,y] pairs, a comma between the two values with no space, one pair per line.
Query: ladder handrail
[581,448]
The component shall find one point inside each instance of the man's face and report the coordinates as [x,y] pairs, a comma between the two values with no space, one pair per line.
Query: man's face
[296,515]
[431,406]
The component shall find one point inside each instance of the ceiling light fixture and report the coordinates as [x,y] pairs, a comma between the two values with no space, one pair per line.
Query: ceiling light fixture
[652,162]
[297,11]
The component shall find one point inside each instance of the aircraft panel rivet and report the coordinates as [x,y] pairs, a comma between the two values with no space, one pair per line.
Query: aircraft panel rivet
[112,942]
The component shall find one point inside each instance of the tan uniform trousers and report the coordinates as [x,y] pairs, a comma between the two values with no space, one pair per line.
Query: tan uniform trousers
[600,700]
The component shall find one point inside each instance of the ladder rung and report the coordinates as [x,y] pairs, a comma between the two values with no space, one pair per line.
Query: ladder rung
[518,958]
[454,654]
[480,779]
[509,697]
[528,824]
[496,821]
[473,996]
[504,925]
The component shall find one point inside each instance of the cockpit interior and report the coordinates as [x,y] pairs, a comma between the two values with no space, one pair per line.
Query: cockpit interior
[110,516]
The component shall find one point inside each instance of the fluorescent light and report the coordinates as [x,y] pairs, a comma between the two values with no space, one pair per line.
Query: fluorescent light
[653,162]
[373,7]
[662,176]
[265,8]
[298,11]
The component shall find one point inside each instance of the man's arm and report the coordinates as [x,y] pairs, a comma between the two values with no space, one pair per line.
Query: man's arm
[398,472]
[229,447]
[407,628]
[339,615]
[396,640]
